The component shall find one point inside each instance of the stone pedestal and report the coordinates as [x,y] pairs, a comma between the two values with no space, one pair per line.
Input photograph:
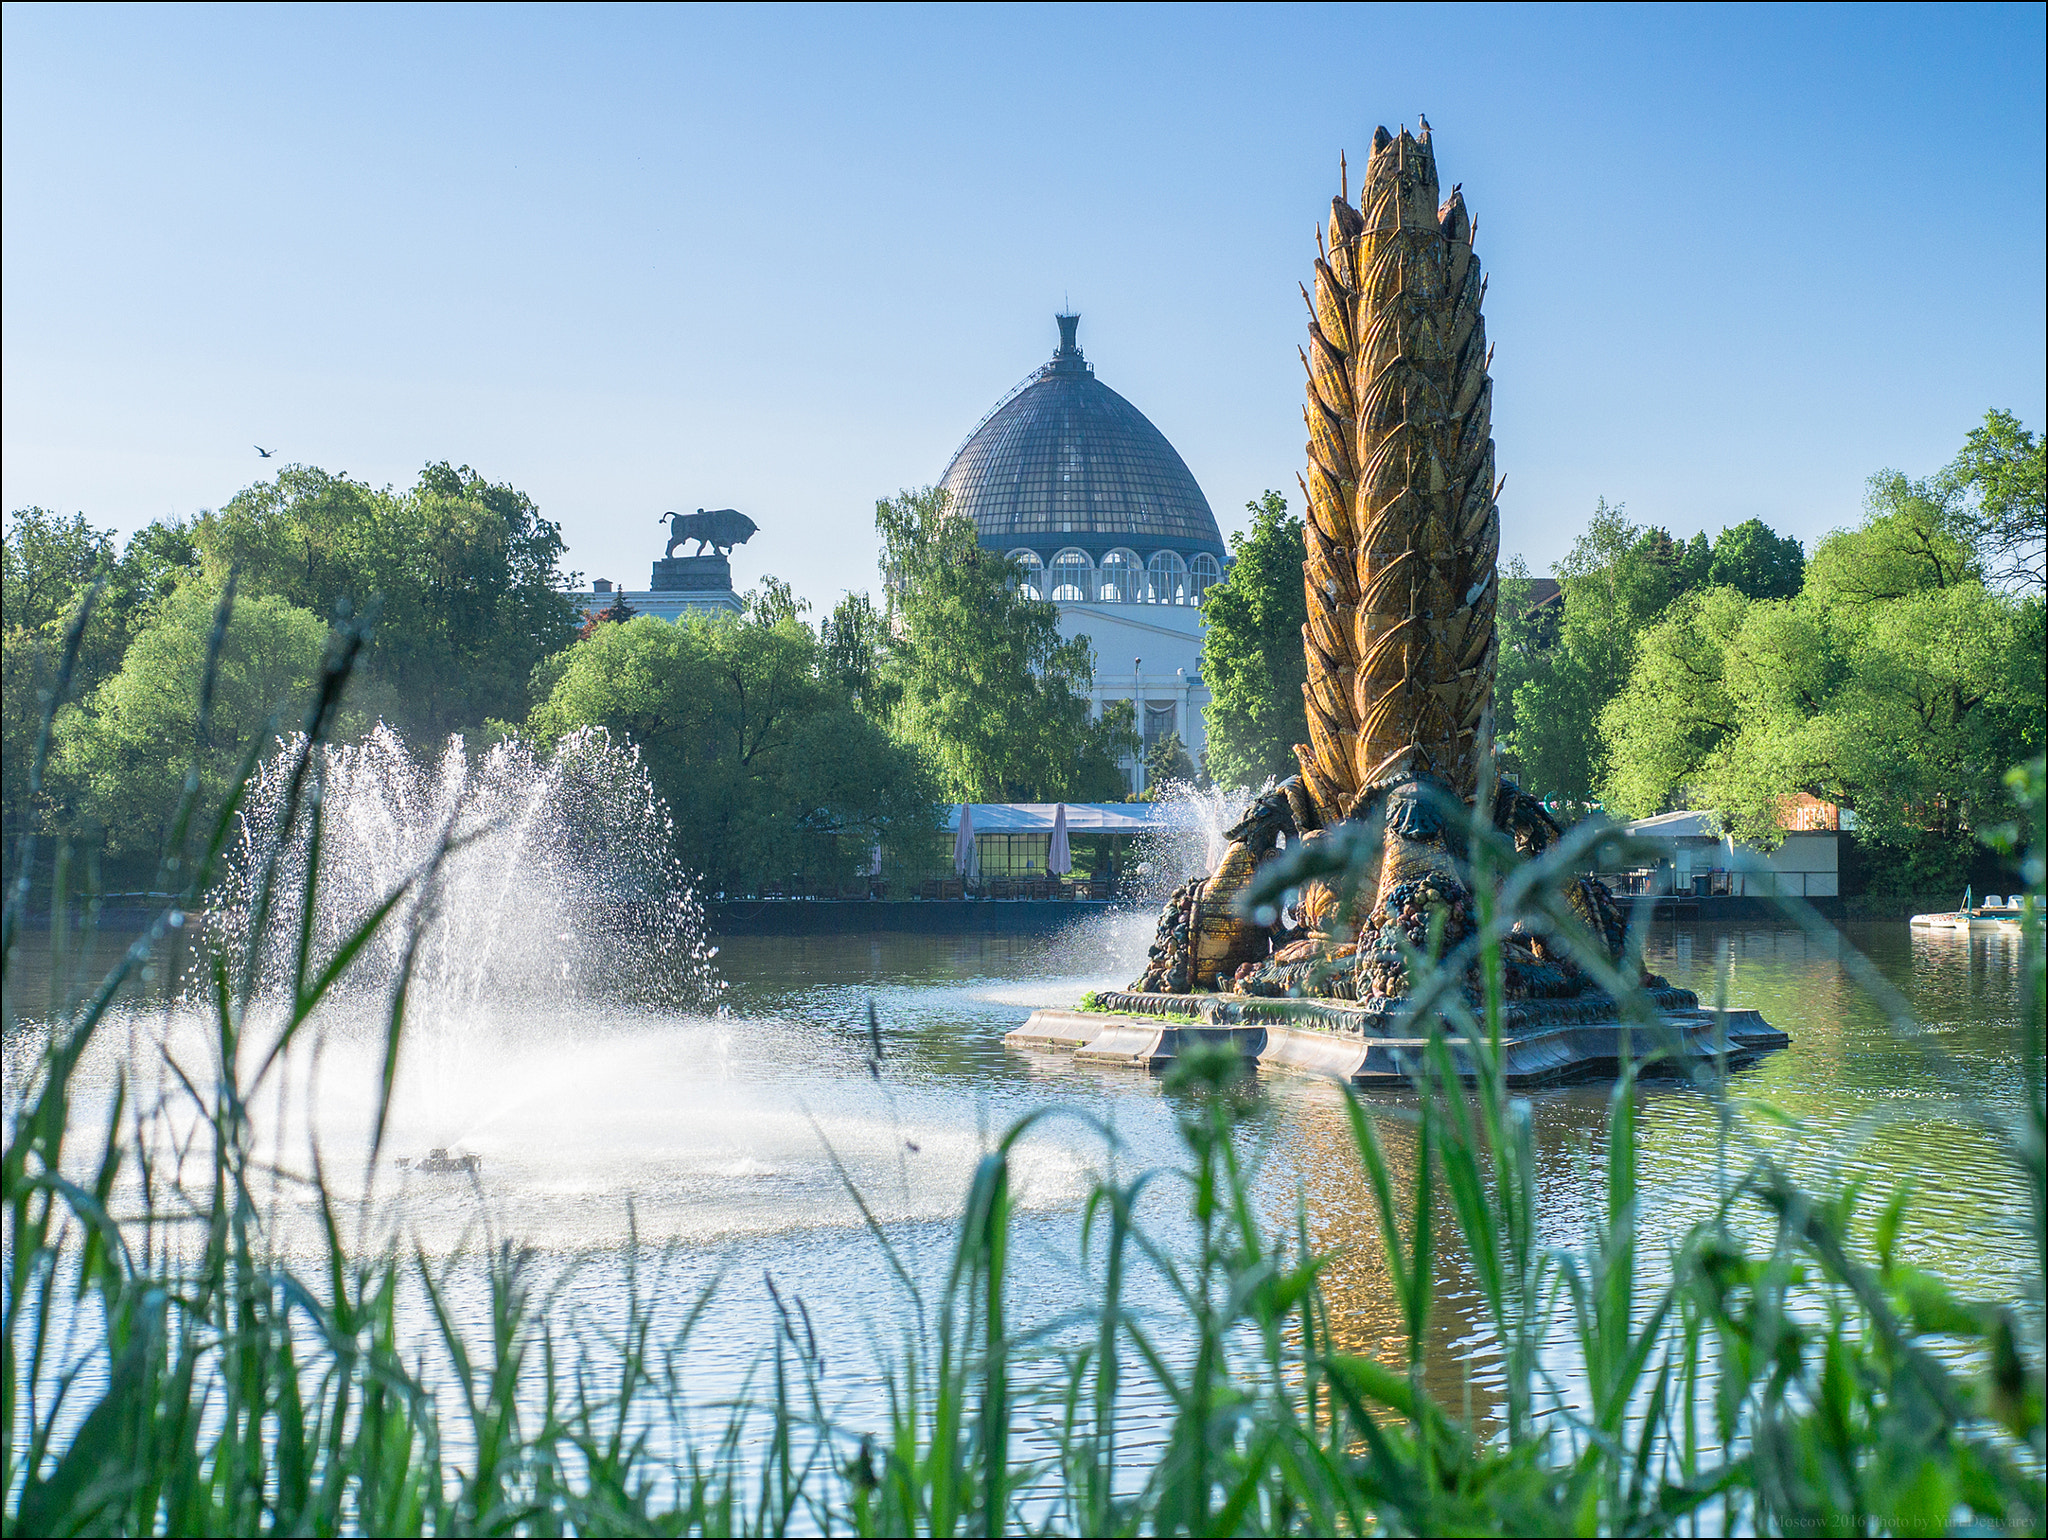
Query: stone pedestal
[1551,1040]
[692,574]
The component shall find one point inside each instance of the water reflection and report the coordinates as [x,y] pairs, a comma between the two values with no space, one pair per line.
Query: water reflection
[714,1128]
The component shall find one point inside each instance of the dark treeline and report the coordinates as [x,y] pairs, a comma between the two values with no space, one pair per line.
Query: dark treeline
[783,748]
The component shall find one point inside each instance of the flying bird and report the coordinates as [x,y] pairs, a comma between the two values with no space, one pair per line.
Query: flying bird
[262,451]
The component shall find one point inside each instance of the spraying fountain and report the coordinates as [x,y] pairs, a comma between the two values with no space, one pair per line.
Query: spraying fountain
[557,904]
[559,885]
[1307,962]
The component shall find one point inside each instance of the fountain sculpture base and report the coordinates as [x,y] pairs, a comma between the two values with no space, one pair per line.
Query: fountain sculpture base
[1542,1043]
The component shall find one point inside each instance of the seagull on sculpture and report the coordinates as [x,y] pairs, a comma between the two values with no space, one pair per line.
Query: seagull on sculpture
[262,451]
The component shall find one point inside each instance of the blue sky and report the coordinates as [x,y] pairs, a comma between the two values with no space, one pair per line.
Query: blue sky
[784,259]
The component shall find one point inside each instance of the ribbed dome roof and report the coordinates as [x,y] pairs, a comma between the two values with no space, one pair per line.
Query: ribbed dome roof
[1066,461]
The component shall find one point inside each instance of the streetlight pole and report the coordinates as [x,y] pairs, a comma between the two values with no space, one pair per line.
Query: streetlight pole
[1138,716]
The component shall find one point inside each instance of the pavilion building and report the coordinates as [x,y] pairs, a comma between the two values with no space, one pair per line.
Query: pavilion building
[1106,520]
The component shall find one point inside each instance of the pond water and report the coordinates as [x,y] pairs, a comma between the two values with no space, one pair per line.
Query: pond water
[721,1147]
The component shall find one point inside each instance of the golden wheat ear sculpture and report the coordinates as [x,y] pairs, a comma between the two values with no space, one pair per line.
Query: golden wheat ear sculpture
[1403,527]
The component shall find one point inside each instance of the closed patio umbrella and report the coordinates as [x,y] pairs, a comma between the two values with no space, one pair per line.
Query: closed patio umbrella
[966,852]
[1059,860]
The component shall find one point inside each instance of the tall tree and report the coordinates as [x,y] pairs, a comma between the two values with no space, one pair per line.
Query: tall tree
[1252,659]
[1527,630]
[1756,560]
[466,572]
[1908,544]
[854,641]
[617,613]
[49,564]
[1895,683]
[1167,761]
[988,689]
[774,602]
[128,747]
[757,754]
[1561,666]
[46,561]
[2002,476]
[1616,580]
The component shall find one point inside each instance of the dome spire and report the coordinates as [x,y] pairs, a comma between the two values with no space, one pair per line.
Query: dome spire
[1064,462]
[1068,359]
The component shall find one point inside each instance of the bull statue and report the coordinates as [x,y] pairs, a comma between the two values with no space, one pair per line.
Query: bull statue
[721,529]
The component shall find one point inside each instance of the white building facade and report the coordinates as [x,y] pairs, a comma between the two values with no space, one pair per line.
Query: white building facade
[1077,485]
[680,585]
[1698,859]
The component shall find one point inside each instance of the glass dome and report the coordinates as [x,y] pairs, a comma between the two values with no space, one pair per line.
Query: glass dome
[1066,462]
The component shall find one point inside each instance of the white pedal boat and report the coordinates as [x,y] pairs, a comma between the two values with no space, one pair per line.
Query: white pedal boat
[1992,916]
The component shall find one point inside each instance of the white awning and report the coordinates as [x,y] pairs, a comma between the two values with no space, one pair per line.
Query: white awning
[1704,824]
[1082,817]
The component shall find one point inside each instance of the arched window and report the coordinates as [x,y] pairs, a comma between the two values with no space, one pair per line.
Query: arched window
[1031,571]
[1121,577]
[1202,571]
[1072,576]
[1166,579]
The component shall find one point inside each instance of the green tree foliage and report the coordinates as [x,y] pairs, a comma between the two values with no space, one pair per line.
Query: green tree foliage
[1562,665]
[1617,578]
[127,750]
[1696,561]
[466,572]
[1527,633]
[774,602]
[49,563]
[1168,760]
[1252,657]
[46,562]
[1751,558]
[2003,508]
[1896,683]
[756,751]
[617,613]
[985,685]
[1908,544]
[854,640]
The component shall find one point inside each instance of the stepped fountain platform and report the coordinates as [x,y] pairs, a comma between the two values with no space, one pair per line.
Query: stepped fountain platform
[1543,1042]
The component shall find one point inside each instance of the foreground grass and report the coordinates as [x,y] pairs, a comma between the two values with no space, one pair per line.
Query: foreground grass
[1783,1371]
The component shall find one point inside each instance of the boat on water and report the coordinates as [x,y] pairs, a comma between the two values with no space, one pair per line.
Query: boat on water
[1993,916]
